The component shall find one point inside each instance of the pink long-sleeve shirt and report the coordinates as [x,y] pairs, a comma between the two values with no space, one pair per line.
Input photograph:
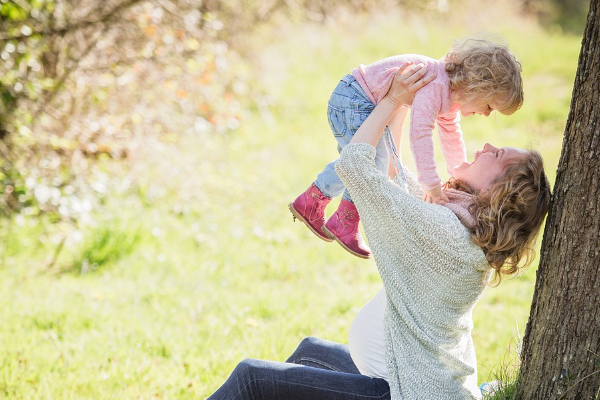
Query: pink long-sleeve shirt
[432,104]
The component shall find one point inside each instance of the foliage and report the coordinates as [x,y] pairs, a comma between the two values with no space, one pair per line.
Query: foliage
[84,85]
[569,15]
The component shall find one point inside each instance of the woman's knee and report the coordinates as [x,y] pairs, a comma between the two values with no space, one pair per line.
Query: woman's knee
[310,342]
[309,346]
[239,384]
[247,369]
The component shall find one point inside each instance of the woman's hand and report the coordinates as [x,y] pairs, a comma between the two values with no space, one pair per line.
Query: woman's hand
[408,79]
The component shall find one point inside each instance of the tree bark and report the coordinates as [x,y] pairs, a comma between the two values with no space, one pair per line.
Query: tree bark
[560,356]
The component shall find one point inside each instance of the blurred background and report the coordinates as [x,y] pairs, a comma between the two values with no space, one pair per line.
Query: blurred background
[149,149]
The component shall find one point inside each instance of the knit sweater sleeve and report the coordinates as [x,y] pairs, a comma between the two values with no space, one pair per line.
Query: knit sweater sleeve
[390,215]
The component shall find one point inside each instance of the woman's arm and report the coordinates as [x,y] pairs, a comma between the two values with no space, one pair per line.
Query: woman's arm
[402,92]
[356,166]
[396,125]
[389,214]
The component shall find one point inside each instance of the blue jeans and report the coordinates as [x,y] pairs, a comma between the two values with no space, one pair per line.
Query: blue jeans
[318,369]
[348,108]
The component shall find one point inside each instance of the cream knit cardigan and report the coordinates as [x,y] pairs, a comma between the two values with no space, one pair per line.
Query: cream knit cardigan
[433,275]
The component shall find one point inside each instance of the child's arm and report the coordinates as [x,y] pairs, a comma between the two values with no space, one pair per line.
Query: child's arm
[426,107]
[451,140]
[435,195]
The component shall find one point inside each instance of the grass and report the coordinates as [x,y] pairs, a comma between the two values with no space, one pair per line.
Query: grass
[205,266]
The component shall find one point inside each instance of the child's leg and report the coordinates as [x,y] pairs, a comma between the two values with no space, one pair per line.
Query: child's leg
[347,109]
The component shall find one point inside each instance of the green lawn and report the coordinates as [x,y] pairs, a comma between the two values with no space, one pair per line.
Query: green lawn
[165,293]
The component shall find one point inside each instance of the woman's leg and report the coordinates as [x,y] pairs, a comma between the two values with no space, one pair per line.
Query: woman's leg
[268,380]
[325,354]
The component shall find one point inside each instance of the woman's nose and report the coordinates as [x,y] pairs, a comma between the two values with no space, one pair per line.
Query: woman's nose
[488,147]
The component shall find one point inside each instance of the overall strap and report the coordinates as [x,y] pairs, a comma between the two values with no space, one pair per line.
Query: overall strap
[400,178]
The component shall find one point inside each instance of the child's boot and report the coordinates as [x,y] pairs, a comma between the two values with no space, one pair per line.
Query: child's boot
[342,226]
[309,208]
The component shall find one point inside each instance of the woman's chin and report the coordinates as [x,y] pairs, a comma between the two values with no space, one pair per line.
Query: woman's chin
[462,166]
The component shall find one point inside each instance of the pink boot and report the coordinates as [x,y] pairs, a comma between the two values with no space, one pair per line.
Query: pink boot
[309,208]
[342,226]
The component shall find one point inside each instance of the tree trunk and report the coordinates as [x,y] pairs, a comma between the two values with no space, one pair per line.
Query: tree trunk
[560,358]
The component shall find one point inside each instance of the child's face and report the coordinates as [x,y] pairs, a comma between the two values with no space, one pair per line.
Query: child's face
[472,107]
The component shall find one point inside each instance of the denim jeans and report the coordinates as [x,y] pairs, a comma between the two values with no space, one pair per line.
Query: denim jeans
[348,108]
[318,369]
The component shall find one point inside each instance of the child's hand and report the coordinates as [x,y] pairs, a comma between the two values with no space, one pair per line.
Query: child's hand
[435,195]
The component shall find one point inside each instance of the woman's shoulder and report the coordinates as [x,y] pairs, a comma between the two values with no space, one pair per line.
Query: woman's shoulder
[449,240]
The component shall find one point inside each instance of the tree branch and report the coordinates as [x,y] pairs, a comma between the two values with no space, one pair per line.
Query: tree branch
[48,99]
[107,17]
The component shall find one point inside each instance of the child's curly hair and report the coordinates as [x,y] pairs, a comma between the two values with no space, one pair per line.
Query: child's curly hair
[510,214]
[480,69]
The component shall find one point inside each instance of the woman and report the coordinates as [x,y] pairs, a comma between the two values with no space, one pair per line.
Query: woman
[435,262]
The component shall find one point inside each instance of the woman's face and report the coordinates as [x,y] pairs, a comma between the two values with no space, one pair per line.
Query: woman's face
[487,166]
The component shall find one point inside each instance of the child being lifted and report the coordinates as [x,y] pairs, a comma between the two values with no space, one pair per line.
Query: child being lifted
[474,77]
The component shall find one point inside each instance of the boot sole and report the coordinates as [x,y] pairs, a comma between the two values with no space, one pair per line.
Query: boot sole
[299,217]
[332,236]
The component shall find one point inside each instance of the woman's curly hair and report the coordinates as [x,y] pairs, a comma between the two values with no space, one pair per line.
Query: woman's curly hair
[510,214]
[485,71]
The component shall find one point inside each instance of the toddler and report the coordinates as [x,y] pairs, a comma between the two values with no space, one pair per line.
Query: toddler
[474,77]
